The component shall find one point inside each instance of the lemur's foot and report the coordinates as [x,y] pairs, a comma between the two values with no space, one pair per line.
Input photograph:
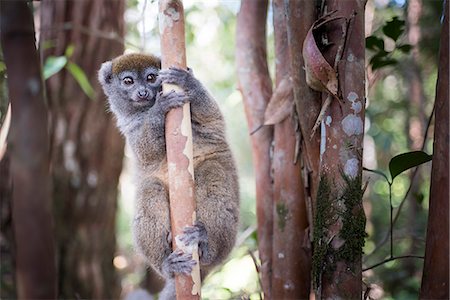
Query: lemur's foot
[178,262]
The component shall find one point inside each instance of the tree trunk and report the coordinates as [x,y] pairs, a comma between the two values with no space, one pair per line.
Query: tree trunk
[435,278]
[256,88]
[300,16]
[31,210]
[178,132]
[339,218]
[291,258]
[8,288]
[86,148]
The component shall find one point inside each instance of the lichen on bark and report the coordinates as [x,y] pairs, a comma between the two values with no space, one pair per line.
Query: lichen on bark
[337,206]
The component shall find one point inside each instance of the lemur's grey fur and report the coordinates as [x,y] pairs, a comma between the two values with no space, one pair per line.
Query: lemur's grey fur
[140,109]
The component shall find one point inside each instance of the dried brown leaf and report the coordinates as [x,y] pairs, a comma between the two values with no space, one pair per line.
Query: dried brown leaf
[281,103]
[320,76]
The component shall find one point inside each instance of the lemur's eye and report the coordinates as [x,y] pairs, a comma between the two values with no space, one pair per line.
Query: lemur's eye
[151,78]
[128,80]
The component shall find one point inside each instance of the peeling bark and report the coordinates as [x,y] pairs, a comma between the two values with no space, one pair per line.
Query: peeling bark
[179,145]
[300,16]
[256,87]
[29,145]
[435,280]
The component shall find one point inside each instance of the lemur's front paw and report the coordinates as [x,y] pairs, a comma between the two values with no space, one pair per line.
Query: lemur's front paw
[170,100]
[181,77]
[178,262]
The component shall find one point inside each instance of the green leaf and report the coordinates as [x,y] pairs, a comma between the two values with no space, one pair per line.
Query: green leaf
[378,62]
[69,50]
[394,28]
[374,43]
[81,78]
[405,48]
[405,161]
[53,64]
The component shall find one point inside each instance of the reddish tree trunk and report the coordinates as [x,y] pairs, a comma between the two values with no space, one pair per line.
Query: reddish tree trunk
[179,144]
[300,16]
[435,280]
[340,221]
[256,88]
[31,212]
[86,148]
[290,257]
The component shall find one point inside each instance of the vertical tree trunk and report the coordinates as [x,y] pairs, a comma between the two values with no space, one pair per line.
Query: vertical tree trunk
[31,212]
[8,288]
[435,280]
[339,221]
[300,16]
[87,150]
[256,88]
[290,256]
[179,149]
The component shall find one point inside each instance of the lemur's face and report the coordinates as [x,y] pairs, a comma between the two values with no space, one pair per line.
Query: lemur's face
[131,82]
[138,87]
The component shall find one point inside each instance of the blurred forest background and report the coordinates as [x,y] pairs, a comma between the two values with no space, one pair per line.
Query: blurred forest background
[95,254]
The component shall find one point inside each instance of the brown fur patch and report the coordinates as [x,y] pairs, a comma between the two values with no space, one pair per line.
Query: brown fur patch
[135,61]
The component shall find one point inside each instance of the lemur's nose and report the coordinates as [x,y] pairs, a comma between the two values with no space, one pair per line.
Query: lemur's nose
[143,94]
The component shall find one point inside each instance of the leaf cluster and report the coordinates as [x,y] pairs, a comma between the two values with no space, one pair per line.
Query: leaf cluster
[54,64]
[393,29]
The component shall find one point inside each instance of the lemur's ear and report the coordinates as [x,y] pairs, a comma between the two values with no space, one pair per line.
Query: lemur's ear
[105,73]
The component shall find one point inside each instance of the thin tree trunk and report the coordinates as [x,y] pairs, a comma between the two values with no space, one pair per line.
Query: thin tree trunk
[86,148]
[300,16]
[339,221]
[179,149]
[435,280]
[291,258]
[31,213]
[256,88]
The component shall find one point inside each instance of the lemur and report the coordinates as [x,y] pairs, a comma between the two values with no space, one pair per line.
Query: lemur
[132,84]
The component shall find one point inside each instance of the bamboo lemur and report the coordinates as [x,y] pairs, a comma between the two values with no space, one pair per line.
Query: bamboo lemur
[132,83]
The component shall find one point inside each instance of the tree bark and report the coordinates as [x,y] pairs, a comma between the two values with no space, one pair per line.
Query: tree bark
[256,87]
[31,211]
[435,280]
[300,16]
[7,244]
[291,258]
[179,145]
[86,148]
[339,218]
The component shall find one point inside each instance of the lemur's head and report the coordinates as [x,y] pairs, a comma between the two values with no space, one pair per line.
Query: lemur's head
[131,81]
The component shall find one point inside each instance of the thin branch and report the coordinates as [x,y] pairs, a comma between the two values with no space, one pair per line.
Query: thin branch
[391,259]
[416,169]
[255,262]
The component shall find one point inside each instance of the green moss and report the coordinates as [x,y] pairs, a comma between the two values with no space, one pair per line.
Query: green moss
[353,220]
[282,212]
[353,225]
[324,213]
